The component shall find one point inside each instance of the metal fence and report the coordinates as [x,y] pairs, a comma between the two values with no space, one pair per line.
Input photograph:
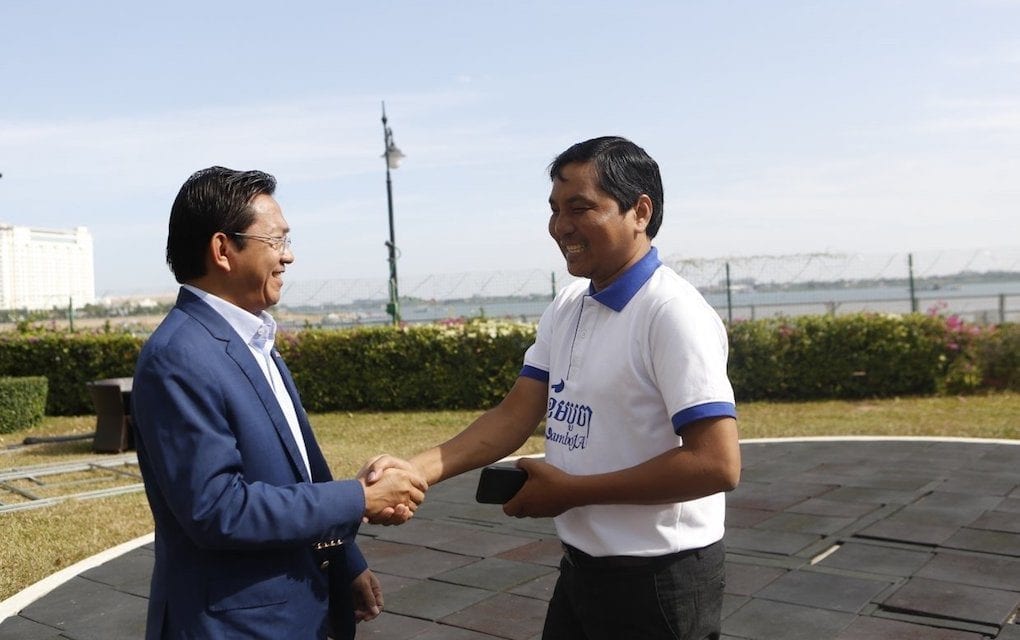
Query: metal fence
[979,285]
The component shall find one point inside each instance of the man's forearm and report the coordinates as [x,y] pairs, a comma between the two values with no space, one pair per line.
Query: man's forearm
[486,440]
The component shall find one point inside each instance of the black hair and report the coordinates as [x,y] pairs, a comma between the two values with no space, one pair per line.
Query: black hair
[623,170]
[211,200]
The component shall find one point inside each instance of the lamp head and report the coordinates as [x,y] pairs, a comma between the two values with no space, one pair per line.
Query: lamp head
[393,156]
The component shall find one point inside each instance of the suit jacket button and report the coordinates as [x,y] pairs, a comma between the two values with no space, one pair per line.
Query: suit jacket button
[324,565]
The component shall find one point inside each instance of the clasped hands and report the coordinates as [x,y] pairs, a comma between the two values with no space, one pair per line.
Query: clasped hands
[394,488]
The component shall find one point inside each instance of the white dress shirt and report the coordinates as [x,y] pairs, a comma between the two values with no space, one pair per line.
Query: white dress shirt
[259,333]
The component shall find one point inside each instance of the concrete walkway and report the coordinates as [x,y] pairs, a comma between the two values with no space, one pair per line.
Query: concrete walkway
[856,539]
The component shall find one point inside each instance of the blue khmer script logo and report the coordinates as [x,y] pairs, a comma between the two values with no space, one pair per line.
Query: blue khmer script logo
[576,418]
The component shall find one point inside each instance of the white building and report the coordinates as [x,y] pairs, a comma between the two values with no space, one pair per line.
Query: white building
[45,268]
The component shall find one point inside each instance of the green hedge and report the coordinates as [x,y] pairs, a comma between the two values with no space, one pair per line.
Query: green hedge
[22,401]
[472,365]
[852,356]
[68,361]
[419,367]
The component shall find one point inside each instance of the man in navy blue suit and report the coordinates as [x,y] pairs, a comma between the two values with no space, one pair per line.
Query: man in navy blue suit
[254,539]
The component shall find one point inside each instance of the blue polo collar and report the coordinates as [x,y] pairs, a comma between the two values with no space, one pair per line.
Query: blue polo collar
[618,294]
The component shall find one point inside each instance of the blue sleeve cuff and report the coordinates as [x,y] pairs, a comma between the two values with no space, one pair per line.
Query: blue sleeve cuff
[702,411]
[534,373]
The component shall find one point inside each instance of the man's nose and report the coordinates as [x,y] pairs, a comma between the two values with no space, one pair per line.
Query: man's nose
[560,225]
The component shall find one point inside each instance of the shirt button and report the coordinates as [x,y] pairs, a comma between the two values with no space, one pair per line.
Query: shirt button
[324,565]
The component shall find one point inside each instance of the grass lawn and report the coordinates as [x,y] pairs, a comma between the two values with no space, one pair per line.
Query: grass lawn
[37,542]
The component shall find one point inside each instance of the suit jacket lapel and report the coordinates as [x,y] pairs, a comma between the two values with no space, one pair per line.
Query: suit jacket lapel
[238,350]
[316,461]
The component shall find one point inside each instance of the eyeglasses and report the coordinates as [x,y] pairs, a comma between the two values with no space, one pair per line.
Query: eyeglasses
[280,243]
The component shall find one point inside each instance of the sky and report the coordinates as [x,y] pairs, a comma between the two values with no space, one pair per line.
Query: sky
[780,127]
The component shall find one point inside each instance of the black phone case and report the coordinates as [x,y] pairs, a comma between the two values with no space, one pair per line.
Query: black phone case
[498,484]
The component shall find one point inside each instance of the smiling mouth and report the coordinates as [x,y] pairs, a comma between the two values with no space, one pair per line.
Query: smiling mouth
[572,249]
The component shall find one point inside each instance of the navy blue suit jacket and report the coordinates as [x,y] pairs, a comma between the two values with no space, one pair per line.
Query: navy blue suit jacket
[237,517]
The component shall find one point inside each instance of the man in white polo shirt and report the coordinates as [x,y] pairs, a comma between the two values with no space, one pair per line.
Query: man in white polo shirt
[629,370]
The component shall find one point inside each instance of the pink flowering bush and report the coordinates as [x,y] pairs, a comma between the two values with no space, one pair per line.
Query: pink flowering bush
[978,356]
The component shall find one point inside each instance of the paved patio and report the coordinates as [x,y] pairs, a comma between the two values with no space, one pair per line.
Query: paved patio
[841,540]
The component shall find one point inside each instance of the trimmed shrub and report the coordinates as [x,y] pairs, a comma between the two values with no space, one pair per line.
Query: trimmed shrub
[452,366]
[998,352]
[22,401]
[851,356]
[68,361]
[471,365]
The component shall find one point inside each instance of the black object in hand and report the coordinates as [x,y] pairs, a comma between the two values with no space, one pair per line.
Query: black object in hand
[498,484]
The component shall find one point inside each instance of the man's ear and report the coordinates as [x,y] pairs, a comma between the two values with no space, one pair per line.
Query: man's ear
[643,212]
[220,252]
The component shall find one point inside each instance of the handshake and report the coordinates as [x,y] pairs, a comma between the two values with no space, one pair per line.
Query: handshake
[394,488]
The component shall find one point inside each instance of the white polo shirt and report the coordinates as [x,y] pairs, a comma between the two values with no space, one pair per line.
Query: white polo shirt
[627,368]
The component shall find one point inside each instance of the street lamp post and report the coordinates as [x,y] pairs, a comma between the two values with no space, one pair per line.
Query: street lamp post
[393,157]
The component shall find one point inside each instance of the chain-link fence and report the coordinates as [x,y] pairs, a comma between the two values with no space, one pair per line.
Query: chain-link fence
[980,285]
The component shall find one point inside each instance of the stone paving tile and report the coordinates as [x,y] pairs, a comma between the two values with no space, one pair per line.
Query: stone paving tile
[770,471]
[907,529]
[994,572]
[86,610]
[433,600]
[829,507]
[505,616]
[547,551]
[949,600]
[876,479]
[998,521]
[824,591]
[778,542]
[1009,632]
[774,497]
[746,518]
[764,620]
[1009,505]
[957,508]
[471,512]
[539,588]
[459,489]
[805,523]
[747,579]
[871,495]
[420,531]
[410,561]
[980,484]
[877,559]
[879,629]
[998,542]
[446,632]
[391,584]
[896,480]
[18,628]
[732,603]
[544,527]
[480,543]
[842,470]
[131,573]
[390,626]
[494,574]
[899,499]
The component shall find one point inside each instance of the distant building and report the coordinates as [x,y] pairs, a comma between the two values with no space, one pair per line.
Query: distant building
[45,268]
